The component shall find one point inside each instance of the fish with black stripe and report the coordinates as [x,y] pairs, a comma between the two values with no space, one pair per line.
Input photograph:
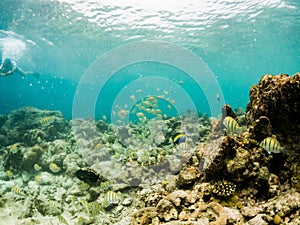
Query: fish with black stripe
[231,125]
[271,145]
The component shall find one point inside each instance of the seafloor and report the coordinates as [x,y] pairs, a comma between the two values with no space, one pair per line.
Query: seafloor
[55,171]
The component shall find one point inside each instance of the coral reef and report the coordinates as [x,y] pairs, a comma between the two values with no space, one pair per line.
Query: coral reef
[278,99]
[85,172]
[30,125]
[243,183]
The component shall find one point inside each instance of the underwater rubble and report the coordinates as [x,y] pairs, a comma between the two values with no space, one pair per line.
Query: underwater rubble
[188,170]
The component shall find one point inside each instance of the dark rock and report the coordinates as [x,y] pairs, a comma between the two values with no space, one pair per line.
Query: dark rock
[219,156]
[102,126]
[260,128]
[188,176]
[227,111]
[278,99]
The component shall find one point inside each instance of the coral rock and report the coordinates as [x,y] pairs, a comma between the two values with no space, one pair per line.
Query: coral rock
[166,210]
[257,220]
[188,175]
[177,197]
[238,164]
[283,205]
[215,154]
[144,216]
[222,219]
[278,98]
[260,128]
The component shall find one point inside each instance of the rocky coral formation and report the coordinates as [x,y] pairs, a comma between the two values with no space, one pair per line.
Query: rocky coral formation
[30,125]
[278,99]
[242,181]
[186,206]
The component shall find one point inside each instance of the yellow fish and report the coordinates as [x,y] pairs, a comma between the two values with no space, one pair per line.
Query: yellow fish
[9,173]
[17,190]
[94,208]
[62,219]
[37,167]
[179,139]
[231,124]
[47,120]
[112,197]
[271,145]
[83,186]
[106,185]
[54,168]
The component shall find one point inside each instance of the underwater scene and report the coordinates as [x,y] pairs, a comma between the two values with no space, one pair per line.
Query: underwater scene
[174,112]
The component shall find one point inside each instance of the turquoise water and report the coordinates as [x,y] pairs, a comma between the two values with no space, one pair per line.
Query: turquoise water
[239,41]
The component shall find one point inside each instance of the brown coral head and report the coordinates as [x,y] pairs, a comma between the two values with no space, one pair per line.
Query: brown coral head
[278,98]
[227,111]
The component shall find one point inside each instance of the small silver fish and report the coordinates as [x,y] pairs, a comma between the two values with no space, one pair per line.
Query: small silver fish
[231,125]
[271,145]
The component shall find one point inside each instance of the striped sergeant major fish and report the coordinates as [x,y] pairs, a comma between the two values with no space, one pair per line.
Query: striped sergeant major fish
[231,125]
[271,145]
